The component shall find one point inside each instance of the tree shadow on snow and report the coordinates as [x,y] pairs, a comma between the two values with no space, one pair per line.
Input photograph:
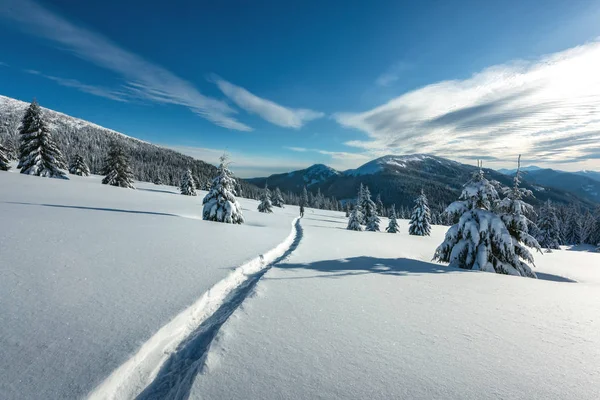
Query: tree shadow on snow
[554,278]
[94,208]
[326,220]
[370,265]
[158,191]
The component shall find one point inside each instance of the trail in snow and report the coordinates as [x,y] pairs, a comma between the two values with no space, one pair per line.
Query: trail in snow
[166,365]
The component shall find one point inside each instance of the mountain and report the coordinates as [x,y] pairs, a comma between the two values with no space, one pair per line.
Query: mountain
[76,136]
[590,174]
[399,180]
[294,181]
[581,185]
[506,171]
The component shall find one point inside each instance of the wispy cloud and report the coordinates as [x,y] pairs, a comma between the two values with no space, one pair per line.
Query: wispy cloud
[266,109]
[111,94]
[3,64]
[143,78]
[392,74]
[540,108]
[297,149]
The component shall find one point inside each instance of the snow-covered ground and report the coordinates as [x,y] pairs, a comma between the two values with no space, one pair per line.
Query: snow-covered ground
[104,292]
[88,273]
[357,315]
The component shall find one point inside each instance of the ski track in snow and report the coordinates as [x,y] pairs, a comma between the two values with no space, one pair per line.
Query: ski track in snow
[166,364]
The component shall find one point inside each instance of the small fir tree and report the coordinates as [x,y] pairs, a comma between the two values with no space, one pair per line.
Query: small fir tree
[393,224]
[370,212]
[38,154]
[420,221]
[379,204]
[188,186]
[4,163]
[277,198]
[549,230]
[354,220]
[304,198]
[79,167]
[117,171]
[220,204]
[265,205]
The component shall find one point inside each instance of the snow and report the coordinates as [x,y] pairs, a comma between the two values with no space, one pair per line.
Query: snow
[90,272]
[355,315]
[110,293]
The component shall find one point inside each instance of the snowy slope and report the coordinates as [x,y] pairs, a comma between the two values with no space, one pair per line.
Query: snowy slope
[90,272]
[356,315]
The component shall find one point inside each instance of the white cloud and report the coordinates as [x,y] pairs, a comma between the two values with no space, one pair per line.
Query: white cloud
[144,79]
[297,149]
[392,74]
[548,109]
[266,109]
[112,94]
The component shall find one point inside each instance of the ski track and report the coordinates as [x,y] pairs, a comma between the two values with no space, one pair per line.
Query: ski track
[166,365]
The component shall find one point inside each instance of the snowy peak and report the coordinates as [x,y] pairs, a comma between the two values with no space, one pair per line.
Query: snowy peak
[392,163]
[318,173]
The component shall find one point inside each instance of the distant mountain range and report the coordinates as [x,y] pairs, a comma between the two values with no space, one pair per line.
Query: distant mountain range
[585,184]
[399,179]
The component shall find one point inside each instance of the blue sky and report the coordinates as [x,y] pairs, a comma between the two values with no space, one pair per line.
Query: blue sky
[282,85]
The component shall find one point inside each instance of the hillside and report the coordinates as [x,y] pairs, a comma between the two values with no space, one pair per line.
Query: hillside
[399,179]
[76,136]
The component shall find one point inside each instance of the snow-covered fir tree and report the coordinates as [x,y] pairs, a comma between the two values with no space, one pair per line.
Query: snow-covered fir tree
[265,205]
[304,198]
[117,171]
[354,220]
[38,153]
[187,186]
[480,240]
[549,231]
[157,180]
[369,210]
[513,211]
[379,204]
[573,228]
[420,220]
[393,224]
[361,202]
[4,163]
[220,203]
[277,198]
[78,166]
[347,209]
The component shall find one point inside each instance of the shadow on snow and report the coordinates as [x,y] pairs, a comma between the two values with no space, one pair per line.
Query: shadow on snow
[94,208]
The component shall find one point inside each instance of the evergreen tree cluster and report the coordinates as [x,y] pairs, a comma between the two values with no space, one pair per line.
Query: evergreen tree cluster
[364,212]
[491,234]
[265,205]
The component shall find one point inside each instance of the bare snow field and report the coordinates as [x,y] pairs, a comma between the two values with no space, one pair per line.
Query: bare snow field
[89,272]
[104,293]
[360,315]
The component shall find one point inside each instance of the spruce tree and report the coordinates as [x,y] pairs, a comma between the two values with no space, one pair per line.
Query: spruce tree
[549,231]
[420,220]
[4,163]
[265,205]
[79,167]
[347,209]
[393,225]
[379,204]
[573,228]
[38,154]
[188,186]
[514,211]
[277,198]
[369,210]
[354,220]
[117,170]
[220,203]
[480,240]
[304,198]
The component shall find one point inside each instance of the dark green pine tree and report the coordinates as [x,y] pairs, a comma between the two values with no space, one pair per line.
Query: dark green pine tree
[4,159]
[117,170]
[38,154]
[79,167]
